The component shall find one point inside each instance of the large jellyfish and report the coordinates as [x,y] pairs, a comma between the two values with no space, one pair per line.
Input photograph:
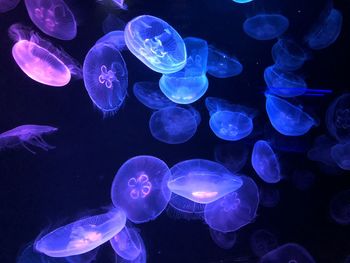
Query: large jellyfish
[290,253]
[53,17]
[26,135]
[340,208]
[233,156]
[262,241]
[286,118]
[265,26]
[223,240]
[202,181]
[156,44]
[7,5]
[140,188]
[173,125]
[105,77]
[115,39]
[265,163]
[235,209]
[190,83]
[341,155]
[40,60]
[83,235]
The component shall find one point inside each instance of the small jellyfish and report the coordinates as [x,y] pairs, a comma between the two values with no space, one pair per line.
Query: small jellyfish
[262,241]
[221,65]
[327,30]
[26,135]
[269,196]
[202,181]
[53,17]
[8,5]
[141,258]
[286,118]
[140,188]
[223,240]
[115,39]
[156,44]
[265,26]
[341,155]
[265,163]
[290,252]
[83,235]
[233,156]
[173,125]
[321,150]
[303,180]
[214,104]
[117,4]
[339,208]
[235,209]
[149,94]
[112,23]
[105,77]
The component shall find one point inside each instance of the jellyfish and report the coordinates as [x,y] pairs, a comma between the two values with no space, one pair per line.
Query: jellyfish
[233,156]
[303,180]
[214,104]
[265,163]
[265,26]
[115,39]
[139,187]
[321,150]
[223,240]
[149,94]
[156,44]
[183,208]
[221,65]
[339,208]
[173,125]
[8,5]
[235,209]
[190,83]
[113,23]
[286,118]
[83,235]
[202,181]
[326,32]
[195,114]
[53,17]
[141,258]
[341,155]
[269,196]
[290,253]
[117,4]
[105,77]
[262,241]
[26,135]
[242,1]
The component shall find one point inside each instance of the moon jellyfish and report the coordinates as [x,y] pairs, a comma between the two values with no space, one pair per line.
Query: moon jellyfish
[173,125]
[202,181]
[326,32]
[53,17]
[183,208]
[127,243]
[139,187]
[214,105]
[235,209]
[141,258]
[262,241]
[190,83]
[83,235]
[156,44]
[265,26]
[8,5]
[269,196]
[265,163]
[112,23]
[221,65]
[105,77]
[341,155]
[115,39]
[149,94]
[233,156]
[340,208]
[290,253]
[321,150]
[26,135]
[223,240]
[286,118]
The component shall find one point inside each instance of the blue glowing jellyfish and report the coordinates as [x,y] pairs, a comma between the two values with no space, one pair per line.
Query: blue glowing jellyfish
[183,208]
[173,125]
[221,65]
[265,163]
[115,39]
[341,155]
[214,104]
[326,31]
[140,188]
[141,258]
[262,241]
[156,44]
[321,150]
[339,208]
[149,94]
[290,253]
[112,23]
[286,118]
[7,5]
[202,181]
[189,84]
[303,180]
[53,17]
[233,156]
[265,26]
[195,114]
[105,77]
[269,196]
[83,235]
[235,209]
[242,1]
[223,240]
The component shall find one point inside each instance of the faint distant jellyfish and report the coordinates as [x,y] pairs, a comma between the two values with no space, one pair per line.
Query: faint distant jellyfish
[265,163]
[341,155]
[115,39]
[290,252]
[263,241]
[235,209]
[8,5]
[321,150]
[340,208]
[156,44]
[127,243]
[53,17]
[223,240]
[269,196]
[214,105]
[233,156]
[139,187]
[112,23]
[265,26]
[83,235]
[118,4]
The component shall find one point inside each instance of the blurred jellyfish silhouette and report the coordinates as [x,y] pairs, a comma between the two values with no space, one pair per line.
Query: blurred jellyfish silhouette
[269,196]
[321,150]
[156,44]
[233,156]
[214,104]
[8,5]
[289,252]
[115,39]
[141,258]
[262,241]
[303,180]
[223,240]
[341,155]
[265,26]
[112,23]
[339,208]
[53,17]
[116,4]
[140,188]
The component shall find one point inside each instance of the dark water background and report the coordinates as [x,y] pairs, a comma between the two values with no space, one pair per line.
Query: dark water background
[40,190]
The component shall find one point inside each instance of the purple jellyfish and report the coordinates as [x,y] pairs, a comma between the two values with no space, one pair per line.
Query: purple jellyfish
[288,253]
[7,5]
[263,241]
[223,240]
[340,208]
[127,243]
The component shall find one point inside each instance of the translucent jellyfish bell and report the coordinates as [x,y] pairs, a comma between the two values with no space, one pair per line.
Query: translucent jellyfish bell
[233,156]
[289,252]
[53,17]
[223,240]
[8,5]
[140,188]
[141,258]
[214,104]
[262,242]
[156,44]
[202,181]
[242,1]
[115,39]
[341,155]
[339,208]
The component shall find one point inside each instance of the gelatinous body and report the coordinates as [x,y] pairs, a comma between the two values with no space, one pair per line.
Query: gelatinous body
[262,241]
[214,104]
[341,155]
[7,5]
[115,39]
[141,258]
[183,208]
[288,55]
[340,208]
[321,150]
[233,156]
[156,44]
[290,252]
[223,240]
[127,243]
[139,187]
[265,26]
